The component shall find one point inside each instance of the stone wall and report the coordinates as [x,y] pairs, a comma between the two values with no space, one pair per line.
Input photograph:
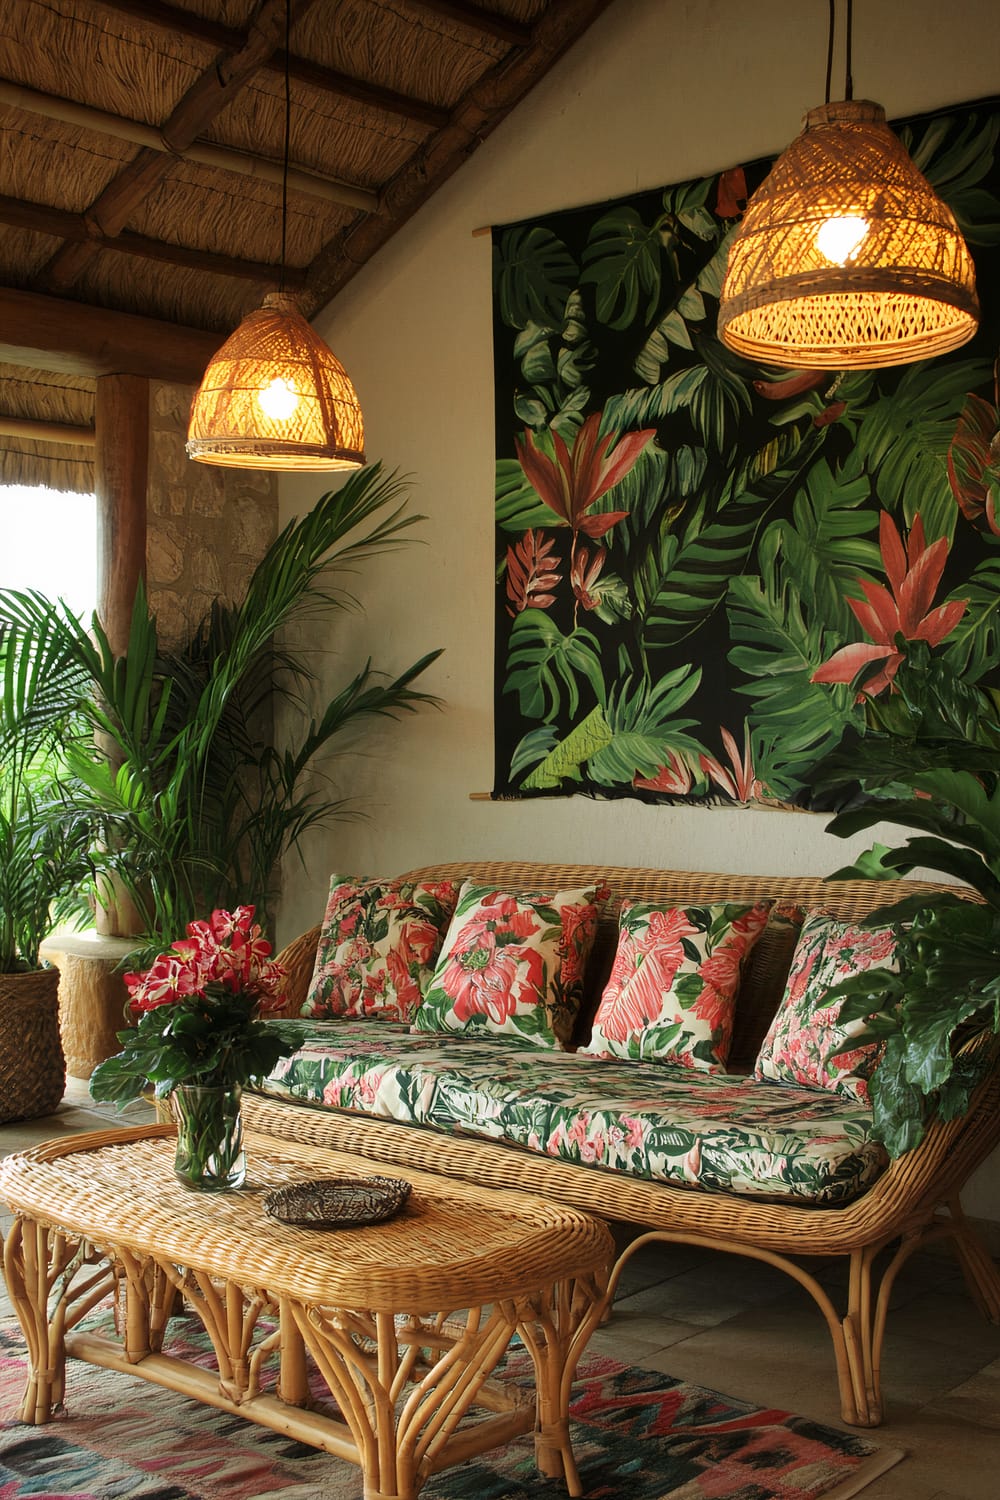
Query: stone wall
[207,527]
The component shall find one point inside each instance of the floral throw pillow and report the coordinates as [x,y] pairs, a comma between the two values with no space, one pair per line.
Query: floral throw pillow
[513,963]
[806,1030]
[672,990]
[377,947]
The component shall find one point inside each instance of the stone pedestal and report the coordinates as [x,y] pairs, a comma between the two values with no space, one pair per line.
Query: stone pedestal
[92,995]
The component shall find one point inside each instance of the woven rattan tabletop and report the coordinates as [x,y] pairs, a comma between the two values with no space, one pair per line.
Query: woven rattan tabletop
[452,1245]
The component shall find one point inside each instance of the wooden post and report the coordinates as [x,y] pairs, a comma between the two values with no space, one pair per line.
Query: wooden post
[121,460]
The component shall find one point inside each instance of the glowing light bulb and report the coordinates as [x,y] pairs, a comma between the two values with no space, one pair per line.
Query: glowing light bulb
[839,240]
[278,399]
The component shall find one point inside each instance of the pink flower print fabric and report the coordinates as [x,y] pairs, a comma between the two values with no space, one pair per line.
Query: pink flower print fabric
[513,963]
[672,990]
[377,948]
[806,1031]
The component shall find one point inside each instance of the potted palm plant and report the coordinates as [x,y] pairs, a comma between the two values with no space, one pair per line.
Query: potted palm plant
[189,802]
[44,861]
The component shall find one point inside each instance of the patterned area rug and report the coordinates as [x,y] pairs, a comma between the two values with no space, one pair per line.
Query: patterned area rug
[637,1435]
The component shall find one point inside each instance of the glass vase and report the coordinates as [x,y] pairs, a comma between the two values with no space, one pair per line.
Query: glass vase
[209,1156]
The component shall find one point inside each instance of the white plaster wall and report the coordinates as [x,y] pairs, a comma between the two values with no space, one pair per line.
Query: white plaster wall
[657,91]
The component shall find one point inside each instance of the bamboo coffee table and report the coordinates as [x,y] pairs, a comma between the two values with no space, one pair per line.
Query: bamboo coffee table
[406,1321]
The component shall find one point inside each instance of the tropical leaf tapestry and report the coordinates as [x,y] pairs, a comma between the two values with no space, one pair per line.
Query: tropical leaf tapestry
[711,574]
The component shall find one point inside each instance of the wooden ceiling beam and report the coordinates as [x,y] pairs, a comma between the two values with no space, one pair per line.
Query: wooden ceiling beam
[503,28]
[50,333]
[39,218]
[205,153]
[185,23]
[476,115]
[35,431]
[219,84]
[210,93]
[372,95]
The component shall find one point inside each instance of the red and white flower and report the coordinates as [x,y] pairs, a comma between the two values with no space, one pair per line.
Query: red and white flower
[229,950]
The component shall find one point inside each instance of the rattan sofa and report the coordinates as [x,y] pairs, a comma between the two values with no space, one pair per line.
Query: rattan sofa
[915,1200]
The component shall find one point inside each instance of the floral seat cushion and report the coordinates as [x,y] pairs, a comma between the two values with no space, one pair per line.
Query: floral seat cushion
[717,1131]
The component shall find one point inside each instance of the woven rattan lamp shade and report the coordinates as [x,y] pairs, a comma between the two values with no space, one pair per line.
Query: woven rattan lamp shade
[313,422]
[905,291]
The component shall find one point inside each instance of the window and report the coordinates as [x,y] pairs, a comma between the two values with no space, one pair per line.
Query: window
[49,544]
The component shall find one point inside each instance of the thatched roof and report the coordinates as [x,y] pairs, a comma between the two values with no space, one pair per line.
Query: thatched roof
[31,401]
[128,127]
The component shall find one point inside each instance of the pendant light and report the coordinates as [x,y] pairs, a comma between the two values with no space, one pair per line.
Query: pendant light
[846,257]
[275,396]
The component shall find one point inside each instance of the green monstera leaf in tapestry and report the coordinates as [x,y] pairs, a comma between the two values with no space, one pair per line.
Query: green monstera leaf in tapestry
[710,574]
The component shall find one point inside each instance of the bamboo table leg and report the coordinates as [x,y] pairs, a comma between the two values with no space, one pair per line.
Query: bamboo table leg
[556,1326]
[34,1258]
[293,1376]
[404,1387]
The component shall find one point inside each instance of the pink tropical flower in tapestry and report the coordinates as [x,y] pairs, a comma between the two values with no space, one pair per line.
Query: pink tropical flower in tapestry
[531,573]
[675,775]
[586,571]
[740,783]
[902,610]
[573,482]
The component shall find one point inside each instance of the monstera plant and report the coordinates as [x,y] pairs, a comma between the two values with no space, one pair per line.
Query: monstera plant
[929,762]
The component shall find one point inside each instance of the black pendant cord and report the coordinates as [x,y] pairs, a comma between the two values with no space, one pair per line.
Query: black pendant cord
[288,132]
[849,36]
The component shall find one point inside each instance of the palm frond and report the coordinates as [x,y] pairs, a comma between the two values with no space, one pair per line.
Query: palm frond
[170,766]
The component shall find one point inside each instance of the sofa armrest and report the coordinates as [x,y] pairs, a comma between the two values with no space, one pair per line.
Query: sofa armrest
[298,959]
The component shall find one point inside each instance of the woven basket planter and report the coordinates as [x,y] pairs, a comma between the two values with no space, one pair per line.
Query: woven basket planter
[32,1066]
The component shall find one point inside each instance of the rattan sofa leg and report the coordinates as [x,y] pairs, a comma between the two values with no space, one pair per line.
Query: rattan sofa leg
[863,1339]
[872,1316]
[860,1403]
[978,1267]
